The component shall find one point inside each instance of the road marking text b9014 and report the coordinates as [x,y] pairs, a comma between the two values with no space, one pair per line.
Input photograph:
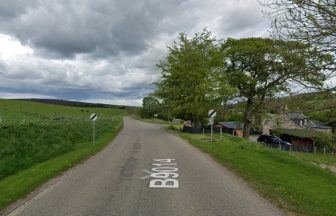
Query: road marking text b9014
[164,174]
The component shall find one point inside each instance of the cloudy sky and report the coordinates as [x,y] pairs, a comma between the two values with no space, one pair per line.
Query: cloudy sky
[105,50]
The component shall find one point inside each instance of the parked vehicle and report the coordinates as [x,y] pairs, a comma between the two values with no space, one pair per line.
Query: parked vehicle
[274,142]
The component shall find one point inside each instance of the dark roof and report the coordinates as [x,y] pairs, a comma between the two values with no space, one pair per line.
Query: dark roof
[302,133]
[297,115]
[320,125]
[232,124]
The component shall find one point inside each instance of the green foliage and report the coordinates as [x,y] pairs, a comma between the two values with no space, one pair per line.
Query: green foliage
[326,115]
[191,81]
[325,140]
[288,179]
[201,72]
[150,106]
[309,21]
[261,68]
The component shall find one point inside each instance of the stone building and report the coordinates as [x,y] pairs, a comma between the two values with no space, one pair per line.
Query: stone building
[295,120]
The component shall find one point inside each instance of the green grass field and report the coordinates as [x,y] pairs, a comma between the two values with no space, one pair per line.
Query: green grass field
[35,147]
[21,111]
[290,180]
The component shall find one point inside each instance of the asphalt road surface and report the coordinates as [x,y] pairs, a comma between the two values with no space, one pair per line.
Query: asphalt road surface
[147,171]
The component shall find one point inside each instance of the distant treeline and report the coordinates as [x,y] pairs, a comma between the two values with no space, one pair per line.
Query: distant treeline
[76,103]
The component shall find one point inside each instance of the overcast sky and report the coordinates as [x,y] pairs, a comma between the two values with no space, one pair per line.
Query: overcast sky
[105,50]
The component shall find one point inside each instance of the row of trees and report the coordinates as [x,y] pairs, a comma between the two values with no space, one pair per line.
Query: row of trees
[201,72]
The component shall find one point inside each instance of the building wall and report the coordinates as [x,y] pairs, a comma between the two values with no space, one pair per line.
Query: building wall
[278,121]
[238,133]
[302,142]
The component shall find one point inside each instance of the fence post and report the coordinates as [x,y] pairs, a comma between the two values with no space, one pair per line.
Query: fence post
[324,150]
[221,131]
[203,132]
[211,132]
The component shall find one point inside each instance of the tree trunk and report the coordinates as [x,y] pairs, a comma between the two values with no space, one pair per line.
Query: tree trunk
[224,110]
[248,118]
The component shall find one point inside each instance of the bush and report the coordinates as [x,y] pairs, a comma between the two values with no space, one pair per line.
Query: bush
[324,140]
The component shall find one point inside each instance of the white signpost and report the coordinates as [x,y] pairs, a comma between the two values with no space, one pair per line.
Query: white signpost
[93,118]
[212,114]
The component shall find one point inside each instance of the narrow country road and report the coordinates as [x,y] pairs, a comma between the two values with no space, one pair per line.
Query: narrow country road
[147,171]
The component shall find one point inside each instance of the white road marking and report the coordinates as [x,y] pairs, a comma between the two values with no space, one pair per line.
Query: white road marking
[163,174]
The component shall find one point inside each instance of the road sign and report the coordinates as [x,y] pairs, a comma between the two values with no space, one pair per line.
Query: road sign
[93,117]
[212,113]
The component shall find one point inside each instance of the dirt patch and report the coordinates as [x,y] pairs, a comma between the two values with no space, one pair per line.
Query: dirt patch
[332,168]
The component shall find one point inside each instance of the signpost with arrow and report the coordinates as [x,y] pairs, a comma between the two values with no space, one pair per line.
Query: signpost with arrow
[212,114]
[93,118]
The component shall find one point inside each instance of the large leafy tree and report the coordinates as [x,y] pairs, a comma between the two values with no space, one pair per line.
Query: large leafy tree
[309,21]
[262,68]
[150,106]
[191,80]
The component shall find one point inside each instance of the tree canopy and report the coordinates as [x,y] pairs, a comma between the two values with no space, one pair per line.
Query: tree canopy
[261,68]
[150,106]
[192,81]
[309,21]
[202,73]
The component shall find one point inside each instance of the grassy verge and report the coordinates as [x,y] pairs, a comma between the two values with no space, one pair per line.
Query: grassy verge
[290,181]
[24,145]
[318,158]
[18,185]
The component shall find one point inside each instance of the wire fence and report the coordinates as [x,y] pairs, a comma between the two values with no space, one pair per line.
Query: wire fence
[308,149]
[296,148]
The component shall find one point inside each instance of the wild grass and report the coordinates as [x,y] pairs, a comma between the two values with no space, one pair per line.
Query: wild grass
[293,182]
[35,145]
[24,145]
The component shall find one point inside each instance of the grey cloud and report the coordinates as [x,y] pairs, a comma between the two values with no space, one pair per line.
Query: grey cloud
[102,27]
[14,8]
[103,49]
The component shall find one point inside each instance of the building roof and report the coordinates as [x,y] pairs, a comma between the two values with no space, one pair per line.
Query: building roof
[320,125]
[302,133]
[232,124]
[297,115]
